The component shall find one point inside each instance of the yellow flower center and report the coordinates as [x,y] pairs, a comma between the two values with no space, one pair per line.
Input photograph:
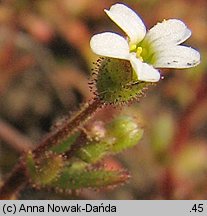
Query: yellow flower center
[138,50]
[138,53]
[144,52]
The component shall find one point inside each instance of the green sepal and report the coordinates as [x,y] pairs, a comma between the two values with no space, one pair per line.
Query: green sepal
[116,82]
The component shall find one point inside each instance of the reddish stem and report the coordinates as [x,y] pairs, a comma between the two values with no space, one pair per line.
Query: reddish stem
[18,177]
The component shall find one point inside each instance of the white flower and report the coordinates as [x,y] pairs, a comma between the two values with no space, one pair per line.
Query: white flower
[157,48]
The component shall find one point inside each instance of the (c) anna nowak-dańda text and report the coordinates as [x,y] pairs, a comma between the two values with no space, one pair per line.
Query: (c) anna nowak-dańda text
[67,208]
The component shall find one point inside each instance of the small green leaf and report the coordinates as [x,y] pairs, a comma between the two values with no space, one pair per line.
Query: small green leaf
[31,167]
[44,170]
[77,179]
[65,145]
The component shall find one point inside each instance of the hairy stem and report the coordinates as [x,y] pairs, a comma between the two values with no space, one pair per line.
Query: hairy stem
[69,126]
[18,176]
[80,142]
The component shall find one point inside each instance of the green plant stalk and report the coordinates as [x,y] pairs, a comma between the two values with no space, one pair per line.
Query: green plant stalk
[18,177]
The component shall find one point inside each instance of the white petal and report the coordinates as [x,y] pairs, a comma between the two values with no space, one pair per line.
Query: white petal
[177,57]
[128,21]
[169,32]
[145,72]
[110,45]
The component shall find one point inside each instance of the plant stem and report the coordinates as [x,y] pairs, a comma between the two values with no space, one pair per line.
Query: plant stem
[80,142]
[69,126]
[18,176]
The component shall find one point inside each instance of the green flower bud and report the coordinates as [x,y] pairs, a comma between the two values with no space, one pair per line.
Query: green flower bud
[122,133]
[125,132]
